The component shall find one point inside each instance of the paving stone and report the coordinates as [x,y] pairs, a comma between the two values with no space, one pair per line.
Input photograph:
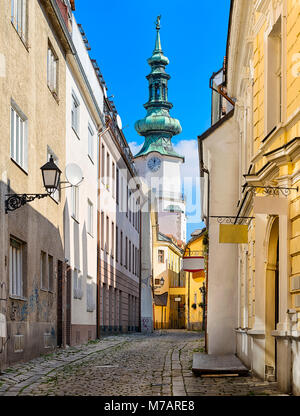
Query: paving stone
[152,365]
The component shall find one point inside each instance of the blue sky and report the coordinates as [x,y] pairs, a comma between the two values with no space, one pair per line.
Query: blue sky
[193,34]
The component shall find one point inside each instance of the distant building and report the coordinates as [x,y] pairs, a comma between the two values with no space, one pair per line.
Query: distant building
[119,208]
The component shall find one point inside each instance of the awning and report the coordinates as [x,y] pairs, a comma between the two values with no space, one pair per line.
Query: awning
[161,300]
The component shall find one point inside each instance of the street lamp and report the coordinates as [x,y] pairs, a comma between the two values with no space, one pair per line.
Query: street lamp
[51,179]
[51,176]
[162,281]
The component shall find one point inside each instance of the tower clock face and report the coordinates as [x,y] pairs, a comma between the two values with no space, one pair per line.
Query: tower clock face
[154,164]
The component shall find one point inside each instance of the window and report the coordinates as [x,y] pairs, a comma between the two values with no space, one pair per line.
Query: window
[129,206]
[126,252]
[90,143]
[113,173]
[274,77]
[112,239]
[102,230]
[90,301]
[117,244]
[107,170]
[121,248]
[127,197]
[18,137]
[77,285]
[117,186]
[19,17]
[102,162]
[50,273]
[161,256]
[90,217]
[157,282]
[75,202]
[16,268]
[133,262]
[107,235]
[75,113]
[46,272]
[52,70]
[130,256]
[43,272]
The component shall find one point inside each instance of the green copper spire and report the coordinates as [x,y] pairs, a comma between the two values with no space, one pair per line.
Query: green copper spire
[158,127]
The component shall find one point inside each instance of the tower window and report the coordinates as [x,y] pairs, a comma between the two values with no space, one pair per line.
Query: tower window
[156,92]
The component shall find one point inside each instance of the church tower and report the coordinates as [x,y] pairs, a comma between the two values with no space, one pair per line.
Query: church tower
[157,162]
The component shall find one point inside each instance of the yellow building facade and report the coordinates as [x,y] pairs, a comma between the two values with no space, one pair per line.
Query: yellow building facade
[264,79]
[169,284]
[196,247]
[178,302]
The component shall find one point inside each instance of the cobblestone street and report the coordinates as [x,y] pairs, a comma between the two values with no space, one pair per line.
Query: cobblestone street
[127,365]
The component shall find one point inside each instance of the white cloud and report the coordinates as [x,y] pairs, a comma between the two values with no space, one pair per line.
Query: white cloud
[135,147]
[189,149]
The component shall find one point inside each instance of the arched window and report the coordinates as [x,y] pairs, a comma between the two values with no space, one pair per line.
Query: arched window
[157,92]
[150,91]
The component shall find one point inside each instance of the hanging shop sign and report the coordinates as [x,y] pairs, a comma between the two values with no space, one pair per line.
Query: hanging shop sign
[270,205]
[198,276]
[193,264]
[233,234]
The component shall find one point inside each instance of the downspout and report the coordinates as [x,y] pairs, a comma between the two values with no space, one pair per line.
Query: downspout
[202,171]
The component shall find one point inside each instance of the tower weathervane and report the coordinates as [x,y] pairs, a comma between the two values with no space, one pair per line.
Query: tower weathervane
[158,22]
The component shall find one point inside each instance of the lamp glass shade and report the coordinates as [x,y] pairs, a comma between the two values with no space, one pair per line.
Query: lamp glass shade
[162,281]
[51,175]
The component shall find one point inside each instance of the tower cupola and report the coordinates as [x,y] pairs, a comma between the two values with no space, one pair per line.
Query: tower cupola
[158,127]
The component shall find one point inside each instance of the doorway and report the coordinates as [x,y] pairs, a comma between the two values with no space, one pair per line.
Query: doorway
[59,303]
[177,312]
[272,302]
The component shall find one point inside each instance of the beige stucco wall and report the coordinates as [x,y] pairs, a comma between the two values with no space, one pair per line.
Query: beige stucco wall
[39,224]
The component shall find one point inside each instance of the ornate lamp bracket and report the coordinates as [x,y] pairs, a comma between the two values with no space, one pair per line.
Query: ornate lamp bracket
[15,201]
[233,220]
[270,190]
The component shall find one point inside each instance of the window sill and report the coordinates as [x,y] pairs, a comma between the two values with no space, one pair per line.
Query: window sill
[47,290]
[19,166]
[25,44]
[91,159]
[15,297]
[75,219]
[54,94]
[77,135]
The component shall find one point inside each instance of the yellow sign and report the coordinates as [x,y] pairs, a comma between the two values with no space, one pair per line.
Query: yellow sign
[233,234]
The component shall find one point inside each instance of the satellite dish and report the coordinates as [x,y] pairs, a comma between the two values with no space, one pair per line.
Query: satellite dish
[73,174]
[119,122]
